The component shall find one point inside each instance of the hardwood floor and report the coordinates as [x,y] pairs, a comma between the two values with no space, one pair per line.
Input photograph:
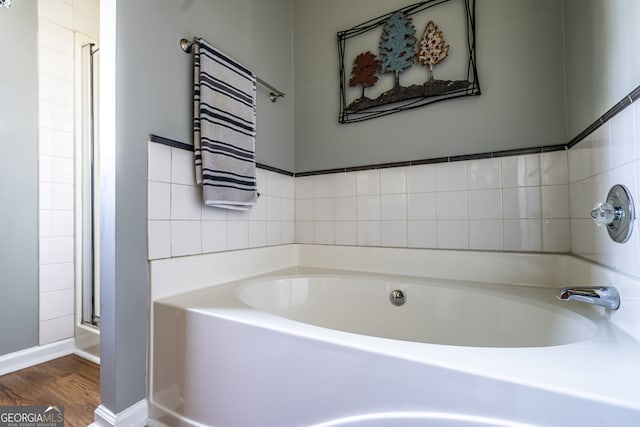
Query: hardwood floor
[70,381]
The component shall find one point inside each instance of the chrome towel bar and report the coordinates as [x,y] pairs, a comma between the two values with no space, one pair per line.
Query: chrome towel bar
[186,46]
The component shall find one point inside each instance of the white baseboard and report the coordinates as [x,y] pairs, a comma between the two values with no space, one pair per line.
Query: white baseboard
[32,356]
[135,415]
[86,355]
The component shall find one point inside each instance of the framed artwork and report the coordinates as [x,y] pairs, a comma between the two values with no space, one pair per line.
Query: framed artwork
[409,58]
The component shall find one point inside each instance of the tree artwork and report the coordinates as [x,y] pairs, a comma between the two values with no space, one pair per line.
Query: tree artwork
[402,54]
[432,49]
[364,71]
[397,45]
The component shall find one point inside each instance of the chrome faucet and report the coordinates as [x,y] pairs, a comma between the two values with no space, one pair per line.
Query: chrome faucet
[605,296]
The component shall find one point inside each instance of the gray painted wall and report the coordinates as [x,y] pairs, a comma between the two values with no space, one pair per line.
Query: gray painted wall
[520,61]
[256,33]
[19,177]
[153,95]
[603,65]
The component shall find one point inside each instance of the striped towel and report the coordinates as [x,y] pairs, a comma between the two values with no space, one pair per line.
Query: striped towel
[224,129]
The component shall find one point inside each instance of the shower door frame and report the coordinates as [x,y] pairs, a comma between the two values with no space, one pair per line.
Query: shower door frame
[87,191]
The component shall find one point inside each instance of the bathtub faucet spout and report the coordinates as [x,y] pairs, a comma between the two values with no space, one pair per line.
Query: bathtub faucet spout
[605,296]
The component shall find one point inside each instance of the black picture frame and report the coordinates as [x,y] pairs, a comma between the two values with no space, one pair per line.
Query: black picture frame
[350,112]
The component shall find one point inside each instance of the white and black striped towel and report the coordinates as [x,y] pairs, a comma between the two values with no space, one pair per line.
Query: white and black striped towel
[224,129]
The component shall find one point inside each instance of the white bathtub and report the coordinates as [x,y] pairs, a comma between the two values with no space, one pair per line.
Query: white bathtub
[311,347]
[436,311]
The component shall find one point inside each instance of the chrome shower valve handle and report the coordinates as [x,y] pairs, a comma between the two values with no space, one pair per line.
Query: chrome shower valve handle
[605,214]
[617,213]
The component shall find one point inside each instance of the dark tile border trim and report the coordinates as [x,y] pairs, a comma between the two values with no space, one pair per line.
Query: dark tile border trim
[478,156]
[429,161]
[274,169]
[183,146]
[170,142]
[633,96]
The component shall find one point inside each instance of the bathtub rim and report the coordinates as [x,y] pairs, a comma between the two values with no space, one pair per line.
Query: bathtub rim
[174,276]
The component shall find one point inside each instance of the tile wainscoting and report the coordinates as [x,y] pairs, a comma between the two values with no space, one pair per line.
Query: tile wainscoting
[517,203]
[537,202]
[179,223]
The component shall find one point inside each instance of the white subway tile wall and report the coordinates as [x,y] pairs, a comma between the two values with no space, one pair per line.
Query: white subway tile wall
[521,171]
[533,202]
[451,176]
[483,174]
[58,20]
[513,203]
[608,156]
[180,225]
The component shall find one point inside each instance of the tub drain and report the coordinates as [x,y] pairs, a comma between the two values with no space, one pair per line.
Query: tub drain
[397,297]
